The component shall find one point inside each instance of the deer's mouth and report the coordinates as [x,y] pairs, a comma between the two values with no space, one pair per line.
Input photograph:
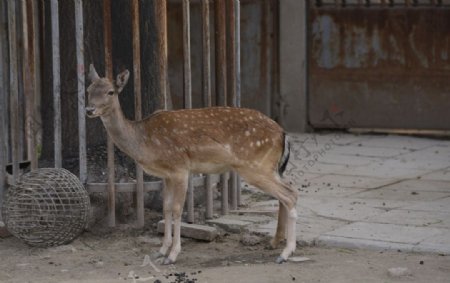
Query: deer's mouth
[91,112]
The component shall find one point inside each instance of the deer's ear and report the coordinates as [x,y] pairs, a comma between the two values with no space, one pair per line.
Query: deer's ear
[122,80]
[92,73]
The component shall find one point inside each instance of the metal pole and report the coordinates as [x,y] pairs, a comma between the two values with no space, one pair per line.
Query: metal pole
[231,75]
[110,145]
[237,18]
[220,52]
[79,39]
[3,93]
[138,106]
[187,94]
[221,78]
[56,60]
[207,101]
[13,87]
[37,122]
[28,85]
[161,25]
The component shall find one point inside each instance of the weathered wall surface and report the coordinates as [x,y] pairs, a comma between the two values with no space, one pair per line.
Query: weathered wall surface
[380,67]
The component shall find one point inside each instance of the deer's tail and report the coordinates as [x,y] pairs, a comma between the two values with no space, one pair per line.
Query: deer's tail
[284,155]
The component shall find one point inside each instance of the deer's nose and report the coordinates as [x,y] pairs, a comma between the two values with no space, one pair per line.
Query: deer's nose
[90,110]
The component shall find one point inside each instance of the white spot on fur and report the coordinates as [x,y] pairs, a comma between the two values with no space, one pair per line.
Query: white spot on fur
[258,143]
[247,133]
[251,144]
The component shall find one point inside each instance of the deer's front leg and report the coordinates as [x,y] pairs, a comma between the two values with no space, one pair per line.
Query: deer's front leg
[180,182]
[167,210]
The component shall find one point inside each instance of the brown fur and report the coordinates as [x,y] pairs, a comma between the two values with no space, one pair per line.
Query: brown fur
[172,144]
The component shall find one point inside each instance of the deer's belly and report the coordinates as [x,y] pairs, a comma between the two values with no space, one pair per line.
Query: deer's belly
[209,167]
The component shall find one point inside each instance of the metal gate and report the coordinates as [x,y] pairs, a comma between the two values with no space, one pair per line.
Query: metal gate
[379,64]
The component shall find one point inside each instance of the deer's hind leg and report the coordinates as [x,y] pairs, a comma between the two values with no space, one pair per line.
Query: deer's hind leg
[280,234]
[272,184]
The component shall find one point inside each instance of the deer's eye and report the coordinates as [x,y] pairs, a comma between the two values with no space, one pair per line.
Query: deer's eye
[110,92]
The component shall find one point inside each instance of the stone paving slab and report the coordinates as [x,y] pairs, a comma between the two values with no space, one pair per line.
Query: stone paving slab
[387,232]
[368,151]
[438,244]
[399,142]
[419,218]
[378,192]
[360,182]
[402,192]
[436,205]
[441,175]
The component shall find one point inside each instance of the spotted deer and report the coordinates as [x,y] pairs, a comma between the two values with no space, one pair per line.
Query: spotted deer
[173,144]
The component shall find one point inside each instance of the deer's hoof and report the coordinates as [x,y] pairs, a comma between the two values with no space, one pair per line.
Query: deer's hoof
[168,261]
[280,260]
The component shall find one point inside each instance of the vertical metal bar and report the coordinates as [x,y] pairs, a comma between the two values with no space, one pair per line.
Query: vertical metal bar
[37,124]
[188,94]
[110,145]
[224,182]
[137,106]
[3,93]
[56,61]
[237,18]
[206,46]
[28,86]
[161,24]
[220,52]
[33,61]
[221,77]
[231,79]
[13,87]
[207,101]
[79,39]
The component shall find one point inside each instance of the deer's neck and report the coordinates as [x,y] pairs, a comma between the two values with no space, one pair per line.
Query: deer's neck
[123,132]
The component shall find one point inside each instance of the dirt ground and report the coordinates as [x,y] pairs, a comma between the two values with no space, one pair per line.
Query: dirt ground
[120,255]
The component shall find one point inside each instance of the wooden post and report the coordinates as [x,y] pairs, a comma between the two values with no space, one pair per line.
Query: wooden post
[13,88]
[138,107]
[221,78]
[110,145]
[3,93]
[207,101]
[161,26]
[56,60]
[237,102]
[231,79]
[79,39]
[188,94]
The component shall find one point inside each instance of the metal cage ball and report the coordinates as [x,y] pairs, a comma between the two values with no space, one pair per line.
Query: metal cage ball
[46,207]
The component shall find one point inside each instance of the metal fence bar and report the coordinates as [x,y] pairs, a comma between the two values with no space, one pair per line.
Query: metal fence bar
[137,106]
[107,37]
[3,93]
[56,61]
[231,79]
[207,101]
[13,88]
[187,94]
[221,78]
[36,127]
[161,26]
[79,39]
[27,80]
[237,102]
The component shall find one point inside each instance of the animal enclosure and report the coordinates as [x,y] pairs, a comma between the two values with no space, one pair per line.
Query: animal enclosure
[45,46]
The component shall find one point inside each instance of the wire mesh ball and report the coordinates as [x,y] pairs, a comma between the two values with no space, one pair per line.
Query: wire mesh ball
[46,207]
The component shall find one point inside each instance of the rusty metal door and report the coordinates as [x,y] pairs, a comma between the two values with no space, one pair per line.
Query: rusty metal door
[379,64]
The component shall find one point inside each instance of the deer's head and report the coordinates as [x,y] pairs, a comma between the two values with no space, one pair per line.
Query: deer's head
[102,93]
